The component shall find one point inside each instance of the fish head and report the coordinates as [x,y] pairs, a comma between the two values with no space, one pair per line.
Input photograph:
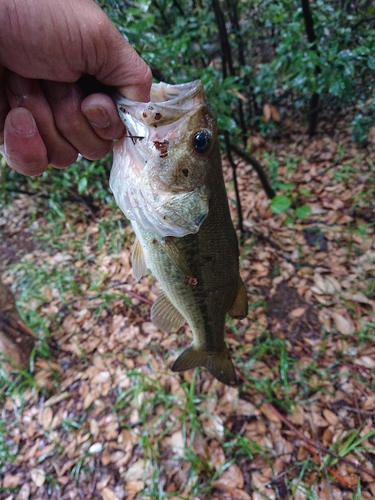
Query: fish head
[161,168]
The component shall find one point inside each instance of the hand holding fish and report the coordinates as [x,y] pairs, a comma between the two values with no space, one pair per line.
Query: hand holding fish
[45,47]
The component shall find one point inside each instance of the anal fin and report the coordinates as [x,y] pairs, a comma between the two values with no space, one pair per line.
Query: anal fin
[164,314]
[239,308]
[218,364]
[138,260]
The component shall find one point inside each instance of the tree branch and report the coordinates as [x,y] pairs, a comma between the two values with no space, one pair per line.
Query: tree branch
[258,168]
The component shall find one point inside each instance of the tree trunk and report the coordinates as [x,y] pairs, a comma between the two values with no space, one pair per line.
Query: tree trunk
[16,339]
[314,101]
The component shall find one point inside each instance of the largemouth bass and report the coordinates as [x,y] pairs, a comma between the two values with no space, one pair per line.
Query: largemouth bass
[167,179]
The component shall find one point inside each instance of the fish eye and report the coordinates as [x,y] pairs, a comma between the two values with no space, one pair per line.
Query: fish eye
[202,141]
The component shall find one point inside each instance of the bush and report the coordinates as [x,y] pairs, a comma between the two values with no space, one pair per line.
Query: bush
[250,53]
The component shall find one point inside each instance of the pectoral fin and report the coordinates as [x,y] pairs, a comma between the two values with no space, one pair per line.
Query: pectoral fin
[218,364]
[164,314]
[138,260]
[176,255]
[239,306]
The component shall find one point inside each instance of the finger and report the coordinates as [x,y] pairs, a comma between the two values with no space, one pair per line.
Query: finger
[27,93]
[4,106]
[117,64]
[24,149]
[101,112]
[65,100]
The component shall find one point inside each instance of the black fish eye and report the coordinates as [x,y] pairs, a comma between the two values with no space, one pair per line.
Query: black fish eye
[202,141]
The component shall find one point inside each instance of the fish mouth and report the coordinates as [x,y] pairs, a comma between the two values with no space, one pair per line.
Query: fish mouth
[153,129]
[168,103]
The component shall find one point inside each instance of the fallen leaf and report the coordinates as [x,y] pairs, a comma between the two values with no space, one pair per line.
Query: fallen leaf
[108,494]
[38,476]
[267,412]
[297,313]
[231,478]
[330,416]
[267,112]
[343,325]
[275,114]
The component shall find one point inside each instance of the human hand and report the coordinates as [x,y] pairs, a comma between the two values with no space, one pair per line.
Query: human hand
[45,47]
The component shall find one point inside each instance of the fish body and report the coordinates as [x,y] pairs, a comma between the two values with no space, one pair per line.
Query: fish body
[188,242]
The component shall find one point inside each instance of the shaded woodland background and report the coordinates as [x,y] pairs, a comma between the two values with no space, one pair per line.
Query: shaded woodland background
[97,412]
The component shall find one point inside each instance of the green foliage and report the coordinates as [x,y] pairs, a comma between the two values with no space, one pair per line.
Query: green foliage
[363,120]
[280,204]
[270,57]
[88,179]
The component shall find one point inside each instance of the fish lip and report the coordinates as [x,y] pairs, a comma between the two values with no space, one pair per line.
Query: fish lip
[183,91]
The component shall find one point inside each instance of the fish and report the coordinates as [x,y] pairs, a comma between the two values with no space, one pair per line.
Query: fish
[167,178]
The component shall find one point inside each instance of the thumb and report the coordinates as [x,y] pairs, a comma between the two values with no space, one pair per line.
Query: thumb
[125,69]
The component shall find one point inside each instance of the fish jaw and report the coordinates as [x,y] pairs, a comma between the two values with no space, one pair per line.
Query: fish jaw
[158,180]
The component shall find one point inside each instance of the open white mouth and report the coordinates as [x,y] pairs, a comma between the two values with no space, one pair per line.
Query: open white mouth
[137,188]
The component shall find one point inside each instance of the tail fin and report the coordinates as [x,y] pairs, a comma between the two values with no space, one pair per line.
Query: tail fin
[218,364]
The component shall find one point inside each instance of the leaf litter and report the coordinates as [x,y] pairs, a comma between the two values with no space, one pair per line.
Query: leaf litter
[105,418]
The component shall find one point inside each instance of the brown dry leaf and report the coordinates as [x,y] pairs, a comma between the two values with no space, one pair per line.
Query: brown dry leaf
[177,443]
[267,113]
[11,480]
[267,412]
[136,470]
[108,494]
[38,476]
[298,415]
[134,486]
[369,403]
[231,478]
[297,313]
[330,416]
[343,325]
[24,493]
[45,417]
[57,398]
[275,114]
[367,361]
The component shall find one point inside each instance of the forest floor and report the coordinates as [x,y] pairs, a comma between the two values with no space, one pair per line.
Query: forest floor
[100,415]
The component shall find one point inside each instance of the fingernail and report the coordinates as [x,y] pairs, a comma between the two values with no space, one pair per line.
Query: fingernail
[97,116]
[22,121]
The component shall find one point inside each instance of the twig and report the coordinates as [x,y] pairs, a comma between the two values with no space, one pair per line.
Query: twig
[234,170]
[257,167]
[130,293]
[361,21]
[341,479]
